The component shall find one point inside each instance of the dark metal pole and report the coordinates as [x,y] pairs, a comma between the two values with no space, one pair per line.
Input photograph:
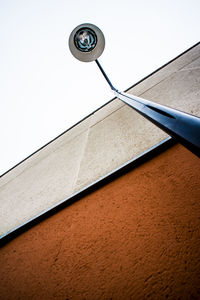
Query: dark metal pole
[104,74]
[185,128]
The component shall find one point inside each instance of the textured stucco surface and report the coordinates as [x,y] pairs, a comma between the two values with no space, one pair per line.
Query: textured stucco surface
[135,238]
[105,140]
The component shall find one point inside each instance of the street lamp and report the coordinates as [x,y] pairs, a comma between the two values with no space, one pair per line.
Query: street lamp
[87,42]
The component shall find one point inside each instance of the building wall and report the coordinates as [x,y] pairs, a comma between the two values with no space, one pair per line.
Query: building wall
[102,142]
[135,238]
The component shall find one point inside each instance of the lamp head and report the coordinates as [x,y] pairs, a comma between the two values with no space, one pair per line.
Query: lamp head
[86,42]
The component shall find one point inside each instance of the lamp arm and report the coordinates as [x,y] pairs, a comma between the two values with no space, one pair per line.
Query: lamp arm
[184,127]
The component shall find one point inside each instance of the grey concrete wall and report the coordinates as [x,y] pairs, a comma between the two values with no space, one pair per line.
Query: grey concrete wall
[105,140]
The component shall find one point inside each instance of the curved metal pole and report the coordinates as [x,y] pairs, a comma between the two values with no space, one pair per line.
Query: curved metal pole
[185,128]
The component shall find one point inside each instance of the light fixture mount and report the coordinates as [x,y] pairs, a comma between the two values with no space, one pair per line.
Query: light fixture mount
[87,42]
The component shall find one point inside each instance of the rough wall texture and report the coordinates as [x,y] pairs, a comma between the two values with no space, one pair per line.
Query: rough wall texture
[135,238]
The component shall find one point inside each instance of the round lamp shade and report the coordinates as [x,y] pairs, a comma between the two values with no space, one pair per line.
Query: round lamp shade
[86,42]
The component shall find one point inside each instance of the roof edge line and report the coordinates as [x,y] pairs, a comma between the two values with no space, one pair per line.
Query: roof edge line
[163,66]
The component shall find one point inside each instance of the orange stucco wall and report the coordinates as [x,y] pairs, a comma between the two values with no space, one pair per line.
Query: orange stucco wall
[135,238]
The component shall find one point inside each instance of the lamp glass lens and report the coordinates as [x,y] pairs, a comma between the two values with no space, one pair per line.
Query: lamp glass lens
[85,39]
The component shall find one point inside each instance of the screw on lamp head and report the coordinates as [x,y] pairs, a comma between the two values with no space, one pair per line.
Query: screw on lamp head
[87,42]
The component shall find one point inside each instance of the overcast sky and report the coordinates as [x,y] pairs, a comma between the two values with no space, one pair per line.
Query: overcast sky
[44,90]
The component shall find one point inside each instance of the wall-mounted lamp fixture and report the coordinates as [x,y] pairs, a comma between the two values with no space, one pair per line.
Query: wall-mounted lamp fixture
[87,43]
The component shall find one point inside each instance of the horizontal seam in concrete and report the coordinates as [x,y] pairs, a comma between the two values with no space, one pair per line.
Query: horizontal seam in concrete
[109,113]
[123,169]
[163,66]
[170,75]
[155,85]
[189,69]
[190,63]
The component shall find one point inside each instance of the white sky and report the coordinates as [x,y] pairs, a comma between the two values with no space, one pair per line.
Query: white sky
[44,90]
